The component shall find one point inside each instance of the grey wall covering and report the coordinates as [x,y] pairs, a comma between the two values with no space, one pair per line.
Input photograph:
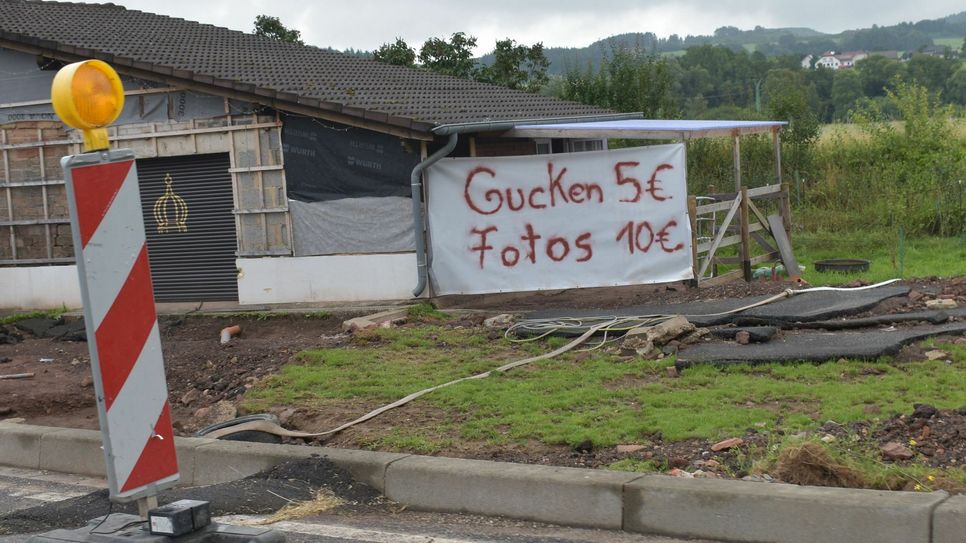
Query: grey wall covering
[352,225]
[328,161]
[23,80]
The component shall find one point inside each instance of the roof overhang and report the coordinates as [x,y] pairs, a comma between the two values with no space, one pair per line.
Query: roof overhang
[643,129]
[511,124]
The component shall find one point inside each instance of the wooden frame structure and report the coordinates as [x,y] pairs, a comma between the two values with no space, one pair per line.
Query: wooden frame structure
[750,215]
[34,222]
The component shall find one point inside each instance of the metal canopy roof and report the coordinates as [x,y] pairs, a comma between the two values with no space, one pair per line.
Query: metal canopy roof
[645,129]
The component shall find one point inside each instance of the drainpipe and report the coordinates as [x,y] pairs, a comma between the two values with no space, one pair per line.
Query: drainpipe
[416,183]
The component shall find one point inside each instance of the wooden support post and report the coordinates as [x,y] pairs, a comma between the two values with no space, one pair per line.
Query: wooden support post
[736,151]
[43,193]
[745,236]
[472,146]
[146,504]
[777,142]
[7,182]
[260,182]
[693,216]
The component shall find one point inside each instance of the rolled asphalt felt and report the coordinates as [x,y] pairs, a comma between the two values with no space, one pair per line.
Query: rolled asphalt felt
[655,504]
[800,307]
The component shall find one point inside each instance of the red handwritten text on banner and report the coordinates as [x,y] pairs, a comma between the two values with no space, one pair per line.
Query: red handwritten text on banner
[559,221]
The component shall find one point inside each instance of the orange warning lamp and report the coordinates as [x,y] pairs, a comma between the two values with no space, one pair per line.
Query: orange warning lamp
[88,95]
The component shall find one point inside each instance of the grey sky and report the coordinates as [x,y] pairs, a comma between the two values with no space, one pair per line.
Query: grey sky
[366,24]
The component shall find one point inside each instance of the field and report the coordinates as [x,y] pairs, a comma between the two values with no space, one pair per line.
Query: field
[952,43]
[853,132]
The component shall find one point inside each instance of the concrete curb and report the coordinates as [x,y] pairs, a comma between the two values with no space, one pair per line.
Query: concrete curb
[713,509]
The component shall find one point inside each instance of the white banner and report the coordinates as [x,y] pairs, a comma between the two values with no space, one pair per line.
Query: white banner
[542,222]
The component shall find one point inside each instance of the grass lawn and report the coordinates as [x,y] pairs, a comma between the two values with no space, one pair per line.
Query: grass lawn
[600,397]
[922,257]
[608,399]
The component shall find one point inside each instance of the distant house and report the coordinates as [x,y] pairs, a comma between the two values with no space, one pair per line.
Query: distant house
[293,163]
[838,61]
[932,50]
[807,62]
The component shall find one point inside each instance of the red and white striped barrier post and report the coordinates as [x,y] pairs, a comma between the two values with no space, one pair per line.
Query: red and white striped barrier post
[115,284]
[121,321]
[122,324]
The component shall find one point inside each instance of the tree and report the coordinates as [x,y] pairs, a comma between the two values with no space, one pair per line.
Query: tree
[877,74]
[453,57]
[516,66]
[846,92]
[398,53]
[930,72]
[627,81]
[823,80]
[272,27]
[956,87]
[788,100]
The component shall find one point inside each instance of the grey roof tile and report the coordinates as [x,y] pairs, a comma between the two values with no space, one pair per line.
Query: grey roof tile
[264,67]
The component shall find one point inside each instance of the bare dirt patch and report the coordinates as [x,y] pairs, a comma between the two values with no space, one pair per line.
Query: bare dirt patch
[60,394]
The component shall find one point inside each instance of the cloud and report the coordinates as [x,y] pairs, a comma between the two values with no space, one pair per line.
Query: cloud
[366,24]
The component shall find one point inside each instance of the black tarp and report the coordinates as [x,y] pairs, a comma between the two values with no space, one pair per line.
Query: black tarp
[329,161]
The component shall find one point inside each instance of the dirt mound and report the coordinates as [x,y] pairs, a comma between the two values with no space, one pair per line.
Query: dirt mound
[810,464]
[938,436]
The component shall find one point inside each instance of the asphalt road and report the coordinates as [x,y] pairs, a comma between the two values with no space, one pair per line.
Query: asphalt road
[23,489]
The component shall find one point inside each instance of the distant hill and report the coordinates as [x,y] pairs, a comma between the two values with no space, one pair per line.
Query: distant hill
[769,41]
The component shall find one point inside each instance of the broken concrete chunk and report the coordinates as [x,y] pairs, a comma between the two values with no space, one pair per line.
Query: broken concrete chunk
[503,320]
[628,449]
[896,451]
[376,319]
[729,443]
[936,354]
[670,329]
[941,304]
[221,411]
[191,396]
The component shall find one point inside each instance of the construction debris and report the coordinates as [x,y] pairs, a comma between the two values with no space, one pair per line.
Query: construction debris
[392,316]
[17,376]
[942,303]
[936,354]
[896,451]
[729,443]
[501,321]
[646,341]
[229,332]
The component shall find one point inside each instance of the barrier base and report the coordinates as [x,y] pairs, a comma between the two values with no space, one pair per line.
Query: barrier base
[123,528]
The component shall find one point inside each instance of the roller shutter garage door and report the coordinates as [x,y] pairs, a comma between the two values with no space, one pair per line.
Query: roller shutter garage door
[187,203]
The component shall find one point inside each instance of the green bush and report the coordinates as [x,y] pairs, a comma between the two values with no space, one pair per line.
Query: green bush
[903,167]
[909,174]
